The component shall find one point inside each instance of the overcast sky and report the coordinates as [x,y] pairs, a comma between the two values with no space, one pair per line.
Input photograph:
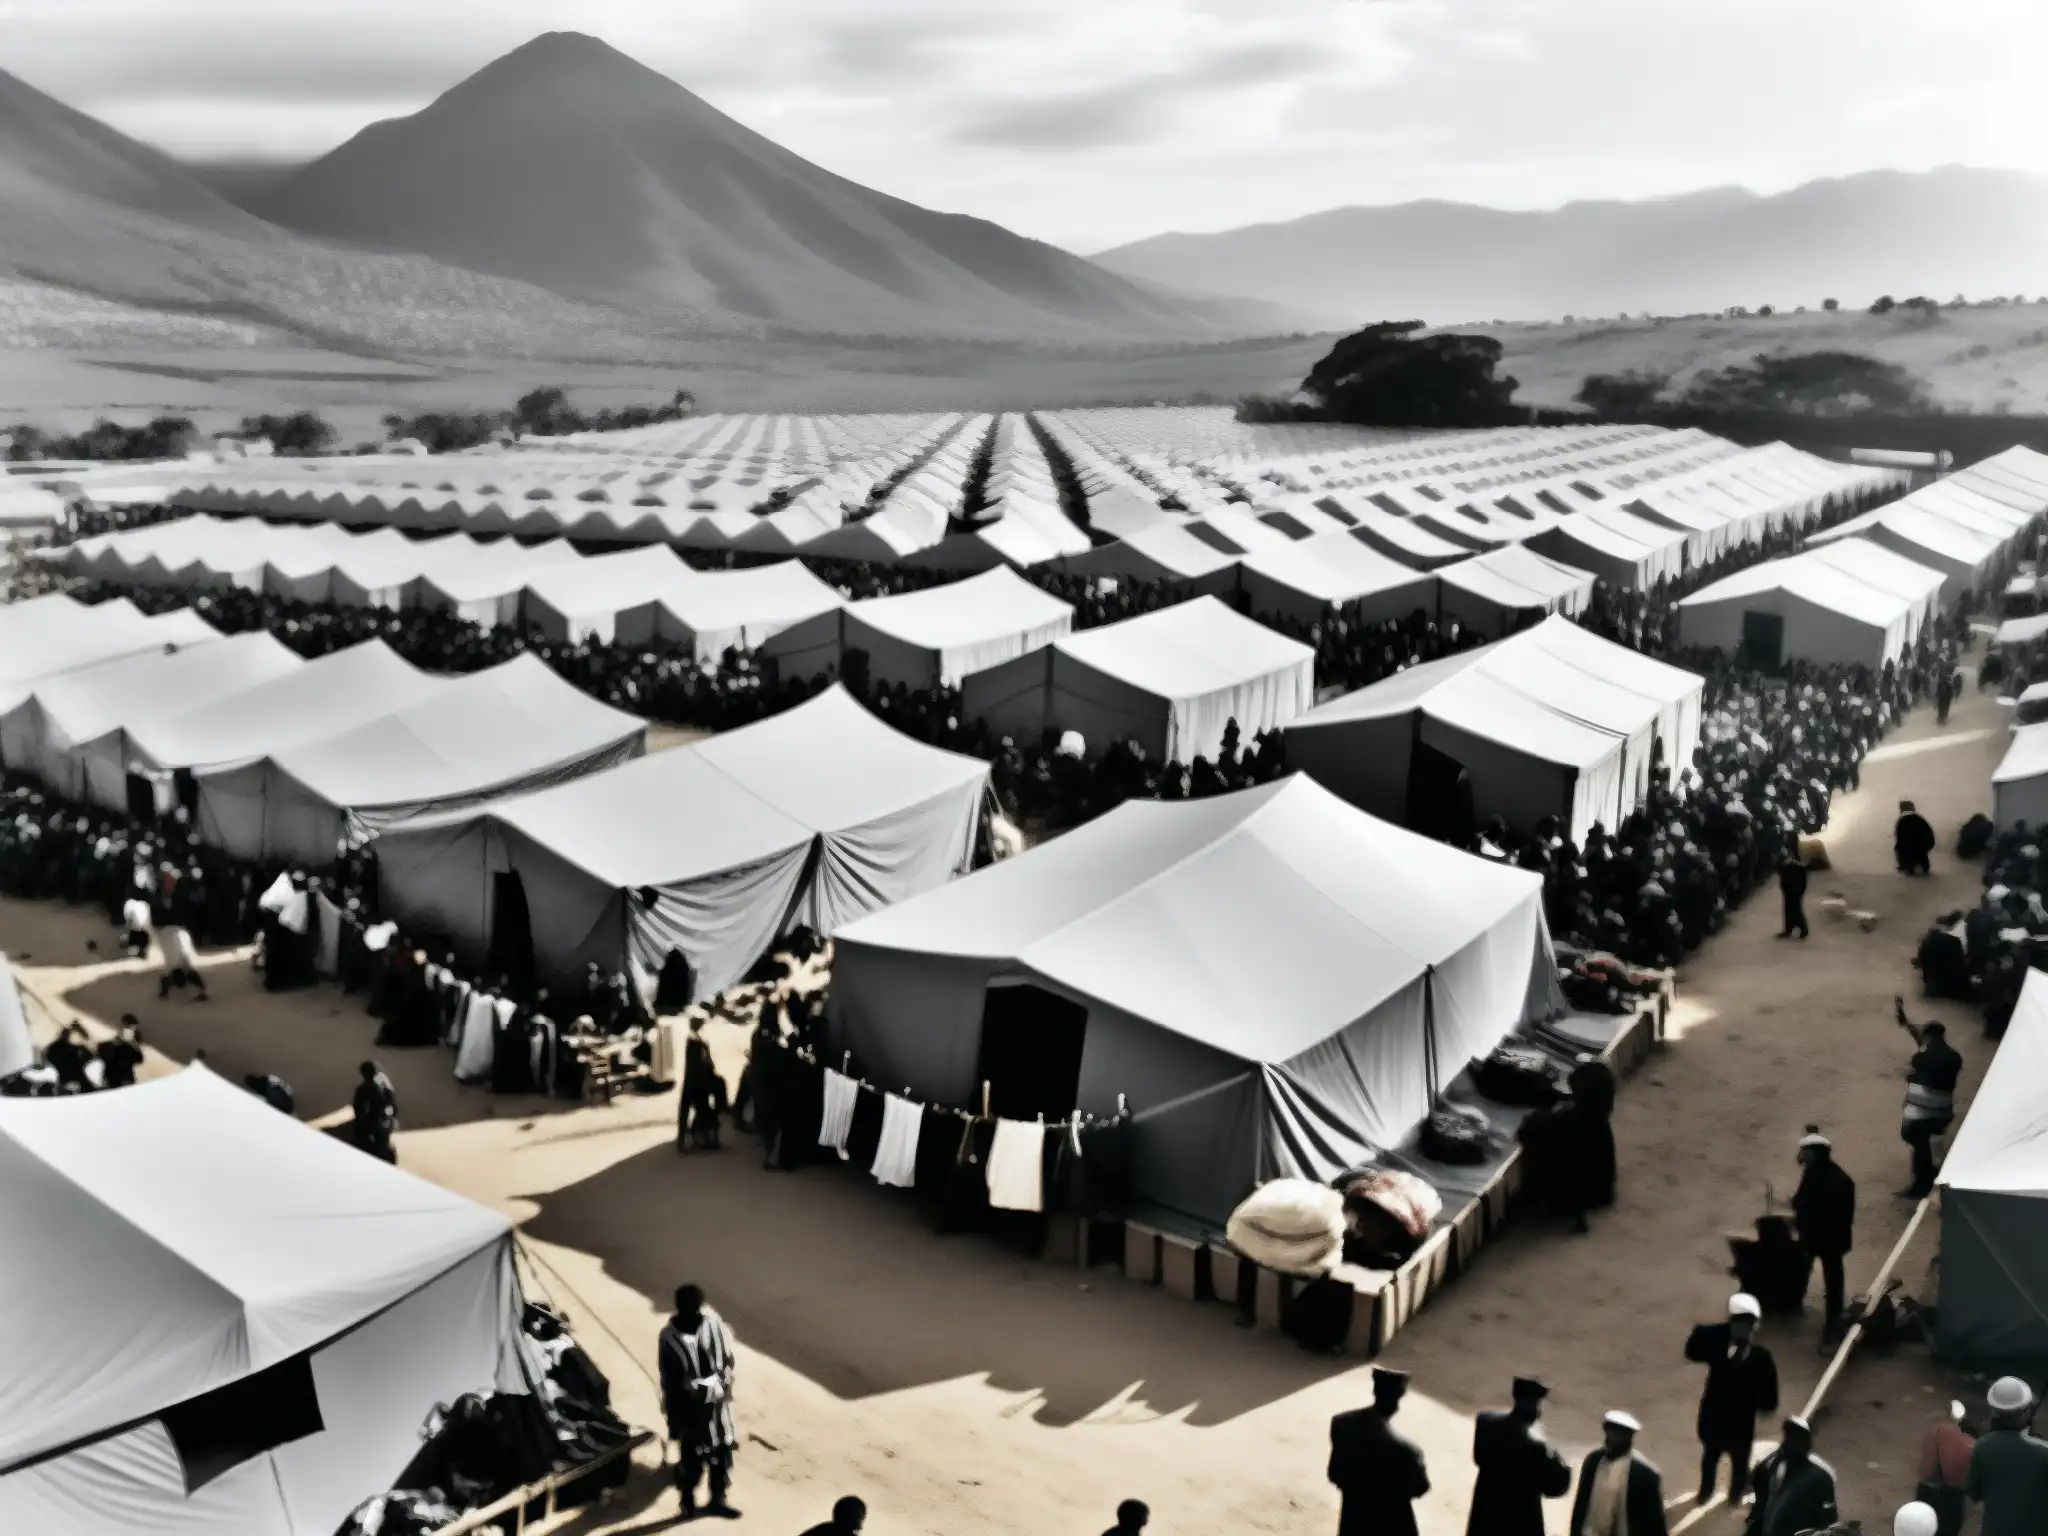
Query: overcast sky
[1092,122]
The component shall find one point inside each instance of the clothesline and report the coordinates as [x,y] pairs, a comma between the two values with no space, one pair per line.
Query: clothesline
[862,1085]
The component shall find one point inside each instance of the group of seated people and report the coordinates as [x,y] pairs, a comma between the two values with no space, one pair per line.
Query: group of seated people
[1983,954]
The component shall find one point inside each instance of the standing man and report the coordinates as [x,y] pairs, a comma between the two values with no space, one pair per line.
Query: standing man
[1945,1472]
[1795,1489]
[1379,1470]
[1824,1210]
[376,1113]
[1930,1097]
[1912,841]
[1620,1493]
[1944,694]
[1518,1468]
[696,1399]
[120,1056]
[1792,886]
[1742,1382]
[2009,1467]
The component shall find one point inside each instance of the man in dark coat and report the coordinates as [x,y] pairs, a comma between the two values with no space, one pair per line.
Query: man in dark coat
[1620,1493]
[1792,886]
[696,1356]
[1379,1471]
[1930,1106]
[1912,841]
[1742,1382]
[376,1113]
[1795,1489]
[1518,1468]
[1824,1210]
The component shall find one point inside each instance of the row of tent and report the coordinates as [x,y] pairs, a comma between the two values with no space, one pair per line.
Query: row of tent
[1862,591]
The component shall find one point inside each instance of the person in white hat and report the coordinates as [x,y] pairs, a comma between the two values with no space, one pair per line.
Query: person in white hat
[2009,1467]
[1824,1209]
[1915,1519]
[1795,1489]
[1945,1470]
[1742,1382]
[1620,1493]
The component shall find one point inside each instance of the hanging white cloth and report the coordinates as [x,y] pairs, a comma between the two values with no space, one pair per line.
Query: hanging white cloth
[328,961]
[378,939]
[477,1051]
[1016,1166]
[296,913]
[277,896]
[837,1122]
[896,1155]
[661,1066]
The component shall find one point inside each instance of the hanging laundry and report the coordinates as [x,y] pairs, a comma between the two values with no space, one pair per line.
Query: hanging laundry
[837,1123]
[1016,1166]
[896,1157]
[477,1048]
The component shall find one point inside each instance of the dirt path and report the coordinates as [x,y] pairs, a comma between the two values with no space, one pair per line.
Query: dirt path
[962,1390]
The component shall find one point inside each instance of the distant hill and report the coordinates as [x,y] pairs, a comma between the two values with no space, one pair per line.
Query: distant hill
[569,165]
[1940,233]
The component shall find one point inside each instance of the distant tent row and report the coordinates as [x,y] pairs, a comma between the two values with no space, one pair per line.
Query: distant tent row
[48,636]
[1343,965]
[632,596]
[926,639]
[818,815]
[1552,722]
[1852,602]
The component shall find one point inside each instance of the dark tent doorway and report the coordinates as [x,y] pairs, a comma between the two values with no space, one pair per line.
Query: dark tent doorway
[511,953]
[675,989]
[1763,640]
[141,799]
[186,788]
[1439,796]
[1031,1044]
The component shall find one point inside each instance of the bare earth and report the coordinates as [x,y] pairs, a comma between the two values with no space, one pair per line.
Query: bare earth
[962,1390]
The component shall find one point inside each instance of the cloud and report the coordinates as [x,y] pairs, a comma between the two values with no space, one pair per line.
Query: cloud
[1137,110]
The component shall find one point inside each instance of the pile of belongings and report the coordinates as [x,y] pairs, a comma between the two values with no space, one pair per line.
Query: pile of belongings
[1975,837]
[1294,1226]
[483,1446]
[1594,981]
[1458,1136]
[1388,1213]
[1517,1076]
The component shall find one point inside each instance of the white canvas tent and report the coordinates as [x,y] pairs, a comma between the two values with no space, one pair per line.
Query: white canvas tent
[2019,784]
[1182,552]
[1495,593]
[818,815]
[55,640]
[1993,1315]
[927,639]
[1616,546]
[742,609]
[1171,680]
[17,1045]
[74,729]
[585,599]
[1824,605]
[181,1237]
[506,730]
[1550,722]
[1964,556]
[28,506]
[1305,581]
[1343,969]
[329,694]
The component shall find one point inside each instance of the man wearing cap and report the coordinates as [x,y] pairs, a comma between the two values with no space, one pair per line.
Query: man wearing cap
[1620,1493]
[1795,1489]
[1742,1382]
[1378,1470]
[1518,1468]
[2009,1467]
[1930,1097]
[1824,1210]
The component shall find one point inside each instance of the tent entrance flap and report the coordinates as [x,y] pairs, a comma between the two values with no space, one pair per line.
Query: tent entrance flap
[141,797]
[1763,640]
[1439,795]
[219,1430]
[511,948]
[1031,1044]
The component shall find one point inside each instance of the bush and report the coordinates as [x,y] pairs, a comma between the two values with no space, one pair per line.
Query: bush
[1830,305]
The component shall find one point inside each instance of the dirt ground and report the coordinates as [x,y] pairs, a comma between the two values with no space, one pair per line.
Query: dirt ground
[962,1390]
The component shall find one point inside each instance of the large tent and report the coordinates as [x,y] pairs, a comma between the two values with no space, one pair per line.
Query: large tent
[1617,546]
[1550,722]
[1181,552]
[74,730]
[1848,602]
[743,608]
[1496,593]
[1278,983]
[53,635]
[927,639]
[329,694]
[232,1325]
[1171,680]
[2019,784]
[817,815]
[1334,570]
[1993,1316]
[1965,556]
[586,599]
[506,730]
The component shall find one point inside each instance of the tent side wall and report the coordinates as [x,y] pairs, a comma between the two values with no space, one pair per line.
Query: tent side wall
[911,1018]
[2017,800]
[437,883]
[1518,788]
[365,822]
[891,660]
[722,924]
[810,649]
[1012,698]
[1994,1282]
[1104,709]
[959,661]
[259,812]
[866,868]
[1364,762]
